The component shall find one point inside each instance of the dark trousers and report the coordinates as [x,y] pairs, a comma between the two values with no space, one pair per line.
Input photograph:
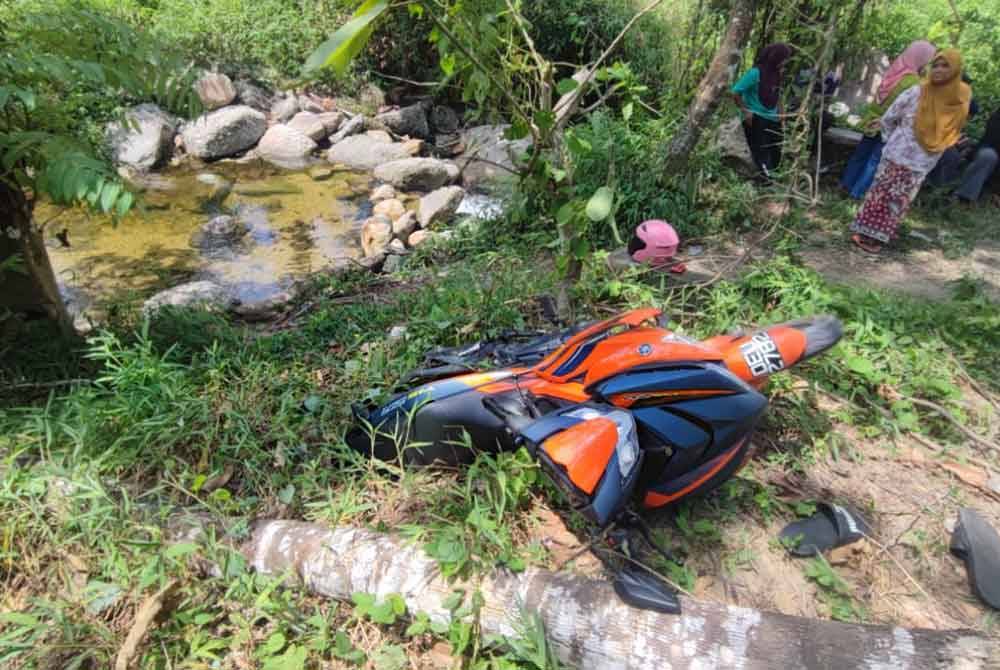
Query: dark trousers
[764,138]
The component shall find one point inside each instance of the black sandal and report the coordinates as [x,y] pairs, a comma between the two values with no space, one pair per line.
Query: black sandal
[830,527]
[977,543]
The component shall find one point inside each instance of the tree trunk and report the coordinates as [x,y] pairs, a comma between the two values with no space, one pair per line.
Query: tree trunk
[587,624]
[713,86]
[32,286]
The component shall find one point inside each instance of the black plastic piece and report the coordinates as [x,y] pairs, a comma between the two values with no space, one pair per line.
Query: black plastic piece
[642,589]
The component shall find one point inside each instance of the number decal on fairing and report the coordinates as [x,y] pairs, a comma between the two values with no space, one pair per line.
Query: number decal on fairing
[762,356]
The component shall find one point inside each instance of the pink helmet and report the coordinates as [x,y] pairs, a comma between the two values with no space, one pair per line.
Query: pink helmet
[654,242]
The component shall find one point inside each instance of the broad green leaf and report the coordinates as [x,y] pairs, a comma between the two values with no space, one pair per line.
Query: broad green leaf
[599,206]
[109,195]
[26,97]
[275,643]
[565,213]
[627,111]
[124,203]
[390,657]
[18,619]
[338,51]
[566,85]
[4,96]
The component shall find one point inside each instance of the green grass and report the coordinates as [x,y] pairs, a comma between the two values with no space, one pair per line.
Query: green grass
[192,411]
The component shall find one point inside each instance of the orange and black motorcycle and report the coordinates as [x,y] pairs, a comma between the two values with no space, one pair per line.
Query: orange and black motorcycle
[623,414]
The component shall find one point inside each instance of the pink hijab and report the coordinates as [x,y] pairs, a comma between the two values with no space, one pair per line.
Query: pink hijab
[916,56]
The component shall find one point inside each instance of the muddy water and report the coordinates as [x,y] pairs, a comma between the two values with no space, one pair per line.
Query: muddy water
[297,225]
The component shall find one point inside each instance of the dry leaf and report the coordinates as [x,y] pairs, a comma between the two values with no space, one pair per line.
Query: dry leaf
[968,474]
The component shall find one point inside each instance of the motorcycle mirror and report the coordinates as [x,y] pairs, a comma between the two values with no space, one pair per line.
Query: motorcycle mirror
[642,589]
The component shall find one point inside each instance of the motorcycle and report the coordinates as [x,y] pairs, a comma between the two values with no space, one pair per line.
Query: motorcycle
[623,415]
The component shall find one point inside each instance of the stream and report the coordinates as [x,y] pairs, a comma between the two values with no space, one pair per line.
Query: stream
[297,223]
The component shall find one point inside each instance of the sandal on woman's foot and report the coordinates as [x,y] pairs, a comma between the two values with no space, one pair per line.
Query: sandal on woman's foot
[868,247]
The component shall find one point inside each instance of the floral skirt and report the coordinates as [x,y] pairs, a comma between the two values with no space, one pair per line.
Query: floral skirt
[887,201]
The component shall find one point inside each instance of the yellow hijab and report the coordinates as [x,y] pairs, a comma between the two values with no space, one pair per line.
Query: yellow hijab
[943,108]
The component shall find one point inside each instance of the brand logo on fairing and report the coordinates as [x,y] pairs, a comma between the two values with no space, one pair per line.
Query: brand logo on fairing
[762,356]
[645,349]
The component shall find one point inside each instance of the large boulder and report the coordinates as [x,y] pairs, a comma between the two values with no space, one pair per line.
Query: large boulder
[417,174]
[203,294]
[410,121]
[309,124]
[376,234]
[225,132]
[439,205]
[444,120]
[383,192]
[215,90]
[362,152]
[286,147]
[489,156]
[252,95]
[404,225]
[145,140]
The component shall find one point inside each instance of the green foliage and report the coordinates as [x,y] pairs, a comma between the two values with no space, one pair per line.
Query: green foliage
[345,44]
[834,591]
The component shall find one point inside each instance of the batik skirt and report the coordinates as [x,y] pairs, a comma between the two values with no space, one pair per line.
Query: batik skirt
[887,201]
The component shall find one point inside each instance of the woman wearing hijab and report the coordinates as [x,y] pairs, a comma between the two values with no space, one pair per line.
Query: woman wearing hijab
[983,164]
[919,126]
[758,93]
[903,74]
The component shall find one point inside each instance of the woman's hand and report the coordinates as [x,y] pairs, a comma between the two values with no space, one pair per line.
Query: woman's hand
[874,125]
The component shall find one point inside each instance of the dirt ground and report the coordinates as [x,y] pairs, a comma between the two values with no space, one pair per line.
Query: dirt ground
[902,575]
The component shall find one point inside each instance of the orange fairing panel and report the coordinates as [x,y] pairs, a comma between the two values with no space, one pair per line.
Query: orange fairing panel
[631,319]
[640,347]
[756,357]
[584,450]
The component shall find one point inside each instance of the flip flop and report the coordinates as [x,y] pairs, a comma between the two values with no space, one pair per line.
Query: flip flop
[977,543]
[830,527]
[866,247]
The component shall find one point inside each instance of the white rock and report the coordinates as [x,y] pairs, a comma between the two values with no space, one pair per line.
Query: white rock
[376,234]
[285,108]
[383,192]
[440,205]
[364,153]
[146,140]
[225,132]
[215,90]
[397,246]
[204,294]
[417,174]
[404,225]
[419,237]
[379,135]
[352,126]
[286,147]
[309,124]
[489,157]
[331,121]
[480,207]
[393,209]
[397,333]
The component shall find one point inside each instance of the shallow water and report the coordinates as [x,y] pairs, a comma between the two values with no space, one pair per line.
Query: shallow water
[297,226]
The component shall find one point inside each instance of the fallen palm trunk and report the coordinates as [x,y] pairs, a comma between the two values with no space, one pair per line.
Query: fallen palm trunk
[587,623]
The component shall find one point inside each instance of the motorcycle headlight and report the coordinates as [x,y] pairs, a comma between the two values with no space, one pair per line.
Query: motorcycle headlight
[628,443]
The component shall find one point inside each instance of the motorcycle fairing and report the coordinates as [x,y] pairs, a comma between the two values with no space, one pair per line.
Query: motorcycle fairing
[585,424]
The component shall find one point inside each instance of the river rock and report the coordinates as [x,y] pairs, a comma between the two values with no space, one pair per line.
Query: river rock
[410,121]
[331,121]
[145,141]
[215,90]
[252,95]
[419,237]
[383,192]
[439,205]
[364,153]
[285,108]
[285,147]
[309,124]
[414,147]
[393,209]
[417,174]
[225,226]
[376,234]
[218,189]
[225,132]
[349,128]
[379,135]
[404,225]
[398,247]
[486,149]
[203,294]
[393,263]
[265,309]
[444,120]
[731,142]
